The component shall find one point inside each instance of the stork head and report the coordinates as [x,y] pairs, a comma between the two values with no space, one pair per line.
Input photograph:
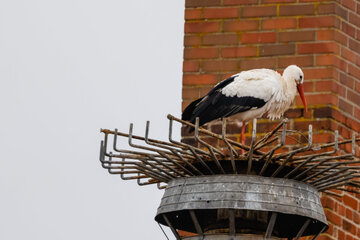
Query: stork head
[294,73]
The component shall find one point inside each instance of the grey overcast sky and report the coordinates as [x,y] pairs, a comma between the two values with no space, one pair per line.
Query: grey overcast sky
[67,69]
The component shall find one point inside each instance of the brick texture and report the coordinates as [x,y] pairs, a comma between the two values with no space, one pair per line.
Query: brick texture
[223,37]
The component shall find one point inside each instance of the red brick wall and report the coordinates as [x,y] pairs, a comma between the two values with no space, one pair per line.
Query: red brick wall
[223,37]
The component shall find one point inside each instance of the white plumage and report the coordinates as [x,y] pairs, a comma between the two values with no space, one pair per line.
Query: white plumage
[249,94]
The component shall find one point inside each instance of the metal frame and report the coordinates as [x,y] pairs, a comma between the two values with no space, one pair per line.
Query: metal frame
[158,162]
[322,167]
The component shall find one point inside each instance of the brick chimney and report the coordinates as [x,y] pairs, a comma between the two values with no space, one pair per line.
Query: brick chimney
[223,37]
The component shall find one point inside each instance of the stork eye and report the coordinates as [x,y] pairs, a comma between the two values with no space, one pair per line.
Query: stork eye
[300,77]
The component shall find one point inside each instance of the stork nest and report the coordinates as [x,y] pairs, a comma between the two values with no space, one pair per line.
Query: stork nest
[151,161]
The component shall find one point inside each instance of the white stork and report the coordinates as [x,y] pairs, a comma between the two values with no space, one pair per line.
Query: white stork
[249,94]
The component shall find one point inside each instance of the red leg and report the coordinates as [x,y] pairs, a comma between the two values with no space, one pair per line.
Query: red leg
[243,137]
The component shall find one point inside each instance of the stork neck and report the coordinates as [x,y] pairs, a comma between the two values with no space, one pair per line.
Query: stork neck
[289,85]
[286,74]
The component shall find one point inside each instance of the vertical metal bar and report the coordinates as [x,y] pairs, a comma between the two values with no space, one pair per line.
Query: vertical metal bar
[310,136]
[271,225]
[196,222]
[336,147]
[231,149]
[171,227]
[283,135]
[308,147]
[353,144]
[105,142]
[232,229]
[183,145]
[303,228]
[170,147]
[253,139]
[139,182]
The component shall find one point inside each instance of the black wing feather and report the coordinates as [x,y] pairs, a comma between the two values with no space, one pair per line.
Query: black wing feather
[188,112]
[216,105]
[192,108]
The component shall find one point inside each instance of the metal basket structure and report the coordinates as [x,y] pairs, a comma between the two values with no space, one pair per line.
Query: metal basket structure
[231,190]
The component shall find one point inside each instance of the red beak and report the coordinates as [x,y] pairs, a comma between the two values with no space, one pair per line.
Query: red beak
[301,92]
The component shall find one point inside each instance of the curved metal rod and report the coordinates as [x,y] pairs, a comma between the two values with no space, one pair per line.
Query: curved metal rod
[170,117]
[166,166]
[269,135]
[334,186]
[336,148]
[210,148]
[141,167]
[267,143]
[133,155]
[177,164]
[155,175]
[123,172]
[161,187]
[191,148]
[348,190]
[323,160]
[107,131]
[279,156]
[163,154]
[328,177]
[338,175]
[143,170]
[200,160]
[139,146]
[196,135]
[188,163]
[299,166]
[184,145]
[146,183]
[169,167]
[168,147]
[273,150]
[151,157]
[283,165]
[223,136]
[332,166]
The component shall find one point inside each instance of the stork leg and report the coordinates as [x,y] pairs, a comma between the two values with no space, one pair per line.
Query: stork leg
[243,137]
